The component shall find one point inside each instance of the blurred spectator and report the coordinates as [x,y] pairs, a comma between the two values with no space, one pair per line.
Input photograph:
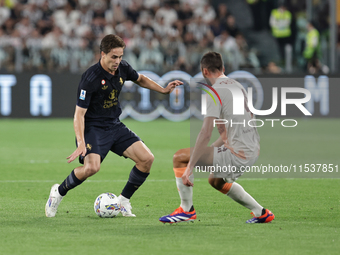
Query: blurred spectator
[51,39]
[246,58]
[115,15]
[207,13]
[301,25]
[124,4]
[35,40]
[66,18]
[132,59]
[127,29]
[160,27]
[199,28]
[140,41]
[8,26]
[133,12]
[194,54]
[280,20]
[172,48]
[255,6]
[34,59]
[24,27]
[189,40]
[185,13]
[64,35]
[231,26]
[5,12]
[45,24]
[72,41]
[222,13]
[86,14]
[168,13]
[98,26]
[226,44]
[32,12]
[81,29]
[59,57]
[194,3]
[151,58]
[151,4]
[216,27]
[83,56]
[311,52]
[56,4]
[9,3]
[16,12]
[99,7]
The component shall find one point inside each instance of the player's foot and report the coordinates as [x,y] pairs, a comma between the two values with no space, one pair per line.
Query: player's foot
[179,215]
[53,201]
[267,216]
[125,207]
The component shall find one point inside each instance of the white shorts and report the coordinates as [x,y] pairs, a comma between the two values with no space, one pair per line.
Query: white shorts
[228,166]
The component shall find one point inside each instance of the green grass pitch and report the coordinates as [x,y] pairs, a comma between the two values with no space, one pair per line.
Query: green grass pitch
[33,157]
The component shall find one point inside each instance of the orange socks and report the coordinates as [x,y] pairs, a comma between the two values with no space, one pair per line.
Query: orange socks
[226,188]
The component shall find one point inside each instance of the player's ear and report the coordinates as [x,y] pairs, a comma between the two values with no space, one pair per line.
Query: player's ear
[223,69]
[102,54]
[205,71]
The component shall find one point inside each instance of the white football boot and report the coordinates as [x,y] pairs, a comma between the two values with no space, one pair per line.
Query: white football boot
[53,201]
[125,207]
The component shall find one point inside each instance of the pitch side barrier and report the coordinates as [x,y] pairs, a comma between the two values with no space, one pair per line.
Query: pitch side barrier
[30,95]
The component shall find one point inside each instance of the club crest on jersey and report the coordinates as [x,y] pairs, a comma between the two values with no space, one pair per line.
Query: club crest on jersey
[121,81]
[103,83]
[82,94]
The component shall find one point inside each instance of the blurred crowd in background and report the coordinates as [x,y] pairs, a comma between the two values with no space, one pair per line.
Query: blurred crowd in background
[64,35]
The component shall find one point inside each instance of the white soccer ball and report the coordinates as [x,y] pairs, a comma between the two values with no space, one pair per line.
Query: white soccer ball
[107,205]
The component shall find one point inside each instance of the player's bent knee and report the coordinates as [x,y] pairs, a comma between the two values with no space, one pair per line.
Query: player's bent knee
[148,160]
[92,169]
[216,183]
[181,157]
[212,182]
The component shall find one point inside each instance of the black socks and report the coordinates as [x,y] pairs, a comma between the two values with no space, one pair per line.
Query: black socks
[136,179]
[69,183]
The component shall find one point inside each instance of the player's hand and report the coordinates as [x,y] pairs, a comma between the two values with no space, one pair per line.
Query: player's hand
[185,177]
[81,150]
[171,86]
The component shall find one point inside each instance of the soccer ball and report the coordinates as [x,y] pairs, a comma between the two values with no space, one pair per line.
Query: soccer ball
[107,205]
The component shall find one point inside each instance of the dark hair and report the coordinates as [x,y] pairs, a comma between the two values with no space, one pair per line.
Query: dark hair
[110,42]
[212,61]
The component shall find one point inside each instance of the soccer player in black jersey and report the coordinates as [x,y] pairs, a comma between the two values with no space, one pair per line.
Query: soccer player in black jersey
[98,128]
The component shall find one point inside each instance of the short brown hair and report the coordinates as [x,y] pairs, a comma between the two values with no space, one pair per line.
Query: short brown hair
[110,42]
[212,61]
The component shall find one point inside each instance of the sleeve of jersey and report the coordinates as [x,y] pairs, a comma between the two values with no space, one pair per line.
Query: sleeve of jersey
[132,74]
[213,109]
[84,93]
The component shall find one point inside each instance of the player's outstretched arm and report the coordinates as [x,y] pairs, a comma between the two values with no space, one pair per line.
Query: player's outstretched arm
[199,148]
[146,82]
[78,124]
